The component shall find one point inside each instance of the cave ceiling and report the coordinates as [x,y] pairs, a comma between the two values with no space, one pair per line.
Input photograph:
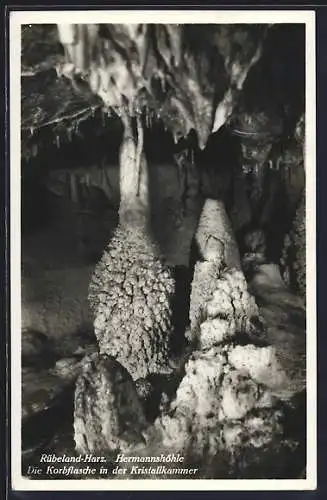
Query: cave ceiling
[189,77]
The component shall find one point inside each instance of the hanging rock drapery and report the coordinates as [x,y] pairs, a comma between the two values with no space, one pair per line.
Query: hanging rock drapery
[187,76]
[190,85]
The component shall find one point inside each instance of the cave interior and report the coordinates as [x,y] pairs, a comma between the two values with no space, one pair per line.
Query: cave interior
[70,198]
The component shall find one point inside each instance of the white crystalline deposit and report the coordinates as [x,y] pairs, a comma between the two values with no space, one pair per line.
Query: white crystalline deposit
[229,396]
[218,249]
[229,311]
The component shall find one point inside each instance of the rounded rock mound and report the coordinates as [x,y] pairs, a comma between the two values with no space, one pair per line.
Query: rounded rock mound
[108,415]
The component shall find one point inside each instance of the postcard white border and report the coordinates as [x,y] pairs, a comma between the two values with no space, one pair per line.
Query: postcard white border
[17,18]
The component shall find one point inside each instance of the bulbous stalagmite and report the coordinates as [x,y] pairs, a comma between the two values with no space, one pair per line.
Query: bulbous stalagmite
[130,295]
[131,289]
[108,415]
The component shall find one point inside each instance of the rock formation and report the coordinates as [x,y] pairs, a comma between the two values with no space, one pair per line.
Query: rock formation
[108,415]
[131,289]
[216,248]
[130,296]
[230,401]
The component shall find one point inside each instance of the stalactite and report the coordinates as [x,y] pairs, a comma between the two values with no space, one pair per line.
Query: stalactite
[69,134]
[139,150]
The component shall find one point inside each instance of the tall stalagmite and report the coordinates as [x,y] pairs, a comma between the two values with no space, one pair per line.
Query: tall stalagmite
[131,289]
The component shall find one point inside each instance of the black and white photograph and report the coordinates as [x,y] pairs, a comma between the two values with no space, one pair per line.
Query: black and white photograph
[162,190]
